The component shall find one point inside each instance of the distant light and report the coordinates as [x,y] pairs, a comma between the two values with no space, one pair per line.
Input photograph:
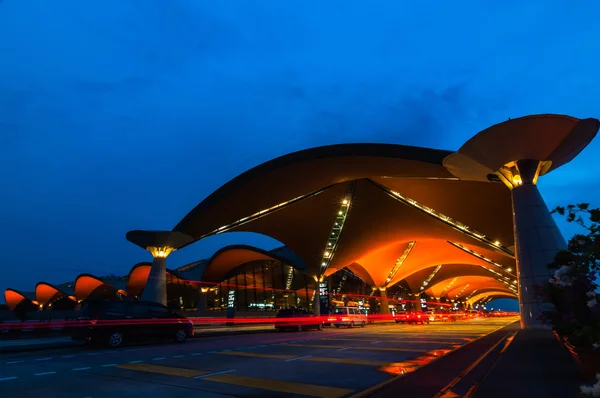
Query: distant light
[327,254]
[509,269]
[497,243]
[345,201]
[340,212]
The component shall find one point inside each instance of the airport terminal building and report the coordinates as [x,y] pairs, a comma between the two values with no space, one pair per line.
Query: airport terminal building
[375,225]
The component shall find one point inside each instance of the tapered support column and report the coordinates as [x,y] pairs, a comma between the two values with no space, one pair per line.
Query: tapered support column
[160,244]
[203,300]
[384,307]
[537,240]
[317,302]
[156,285]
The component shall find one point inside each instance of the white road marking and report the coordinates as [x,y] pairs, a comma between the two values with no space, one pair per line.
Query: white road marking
[11,362]
[68,356]
[251,347]
[158,359]
[109,365]
[178,356]
[199,353]
[297,358]
[44,359]
[44,373]
[214,374]
[76,369]
[226,350]
[8,378]
[136,362]
[343,349]
[376,342]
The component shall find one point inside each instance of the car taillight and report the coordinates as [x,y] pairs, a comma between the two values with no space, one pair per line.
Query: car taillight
[93,321]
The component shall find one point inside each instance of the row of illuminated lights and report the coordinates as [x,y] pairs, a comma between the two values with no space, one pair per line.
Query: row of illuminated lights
[335,233]
[430,277]
[481,256]
[400,261]
[447,219]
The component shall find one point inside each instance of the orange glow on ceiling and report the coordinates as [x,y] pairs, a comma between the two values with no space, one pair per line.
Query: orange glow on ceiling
[85,285]
[138,276]
[13,298]
[495,294]
[381,261]
[44,293]
[227,260]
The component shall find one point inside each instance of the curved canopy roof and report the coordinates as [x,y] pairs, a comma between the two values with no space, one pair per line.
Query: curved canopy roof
[490,295]
[87,285]
[15,297]
[46,292]
[463,286]
[385,211]
[225,260]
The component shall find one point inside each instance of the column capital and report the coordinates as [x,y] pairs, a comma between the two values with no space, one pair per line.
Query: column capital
[159,243]
[523,172]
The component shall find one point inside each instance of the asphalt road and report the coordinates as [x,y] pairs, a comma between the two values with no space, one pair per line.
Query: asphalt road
[329,363]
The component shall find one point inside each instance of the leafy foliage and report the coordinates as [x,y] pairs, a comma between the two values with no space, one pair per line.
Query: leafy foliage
[575,312]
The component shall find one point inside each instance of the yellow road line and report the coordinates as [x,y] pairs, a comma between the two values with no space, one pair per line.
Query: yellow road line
[347,361]
[399,340]
[357,348]
[142,367]
[257,354]
[280,386]
[311,358]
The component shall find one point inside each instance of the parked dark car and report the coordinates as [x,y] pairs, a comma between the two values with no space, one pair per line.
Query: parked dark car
[298,320]
[114,322]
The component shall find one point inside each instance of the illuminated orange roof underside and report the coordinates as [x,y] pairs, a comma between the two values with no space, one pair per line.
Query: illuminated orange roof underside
[44,292]
[448,289]
[13,298]
[85,284]
[493,294]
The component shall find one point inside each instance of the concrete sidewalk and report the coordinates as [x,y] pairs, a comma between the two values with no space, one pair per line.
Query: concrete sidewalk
[32,344]
[535,364]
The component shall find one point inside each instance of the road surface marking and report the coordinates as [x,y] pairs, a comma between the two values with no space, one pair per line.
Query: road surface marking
[158,359]
[12,362]
[44,373]
[178,356]
[132,362]
[343,349]
[348,361]
[8,378]
[251,347]
[68,356]
[76,369]
[109,365]
[280,386]
[359,348]
[376,342]
[214,374]
[297,358]
[44,359]
[256,355]
[164,370]
[199,353]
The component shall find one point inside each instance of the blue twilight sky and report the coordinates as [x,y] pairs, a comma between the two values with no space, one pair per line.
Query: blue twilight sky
[117,115]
